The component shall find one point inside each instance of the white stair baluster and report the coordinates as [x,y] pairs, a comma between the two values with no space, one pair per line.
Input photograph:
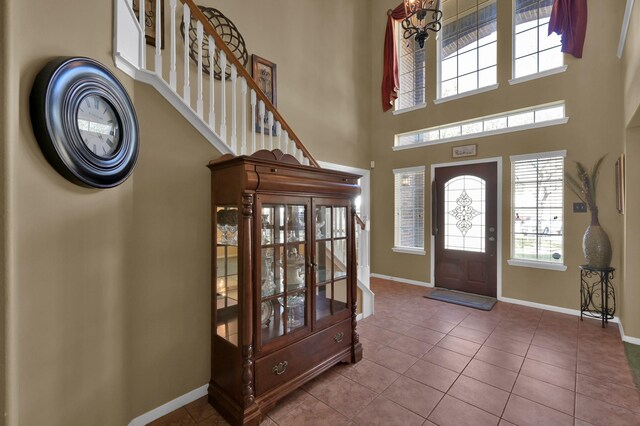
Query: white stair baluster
[253,121]
[200,101]
[234,112]
[223,103]
[285,137]
[158,18]
[243,92]
[142,17]
[261,118]
[212,107]
[186,19]
[270,119]
[300,155]
[172,65]
[279,134]
[305,161]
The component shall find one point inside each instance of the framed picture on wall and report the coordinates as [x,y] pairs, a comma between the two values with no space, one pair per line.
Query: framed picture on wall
[620,184]
[464,151]
[264,74]
[150,20]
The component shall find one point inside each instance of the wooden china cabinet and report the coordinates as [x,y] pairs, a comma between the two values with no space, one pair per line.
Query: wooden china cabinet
[284,279]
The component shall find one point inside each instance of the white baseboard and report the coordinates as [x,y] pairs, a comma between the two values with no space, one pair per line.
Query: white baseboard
[551,308]
[628,339]
[402,280]
[170,406]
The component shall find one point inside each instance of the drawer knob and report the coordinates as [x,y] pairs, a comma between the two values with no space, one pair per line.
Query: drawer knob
[280,368]
[338,337]
[274,170]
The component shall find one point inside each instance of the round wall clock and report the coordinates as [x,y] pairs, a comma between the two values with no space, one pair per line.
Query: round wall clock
[84,122]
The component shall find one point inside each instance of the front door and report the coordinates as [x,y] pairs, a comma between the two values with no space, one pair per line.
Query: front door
[464,222]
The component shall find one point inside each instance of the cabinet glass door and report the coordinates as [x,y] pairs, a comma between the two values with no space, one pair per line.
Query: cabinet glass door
[226,242]
[331,285]
[283,260]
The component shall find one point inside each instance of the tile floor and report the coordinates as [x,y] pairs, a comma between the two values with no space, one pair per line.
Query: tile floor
[432,363]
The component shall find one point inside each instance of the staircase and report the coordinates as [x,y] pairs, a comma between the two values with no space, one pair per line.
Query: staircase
[224,112]
[221,111]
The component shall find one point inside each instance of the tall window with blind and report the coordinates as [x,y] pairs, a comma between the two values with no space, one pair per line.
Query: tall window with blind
[409,209]
[537,207]
[534,49]
[468,46]
[411,72]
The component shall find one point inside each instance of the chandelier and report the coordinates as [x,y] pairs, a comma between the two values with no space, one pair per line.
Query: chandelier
[421,16]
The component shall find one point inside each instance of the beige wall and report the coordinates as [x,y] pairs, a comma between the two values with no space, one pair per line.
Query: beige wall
[631,71]
[3,137]
[108,290]
[591,89]
[108,294]
[321,49]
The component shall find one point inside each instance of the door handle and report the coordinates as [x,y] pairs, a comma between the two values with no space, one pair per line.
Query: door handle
[492,239]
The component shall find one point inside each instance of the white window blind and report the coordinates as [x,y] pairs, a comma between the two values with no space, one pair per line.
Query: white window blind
[411,71]
[534,49]
[537,212]
[409,208]
[468,46]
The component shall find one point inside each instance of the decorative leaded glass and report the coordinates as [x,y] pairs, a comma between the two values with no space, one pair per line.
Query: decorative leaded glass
[465,216]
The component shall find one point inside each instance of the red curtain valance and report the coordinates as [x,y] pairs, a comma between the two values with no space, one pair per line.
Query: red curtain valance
[390,80]
[569,19]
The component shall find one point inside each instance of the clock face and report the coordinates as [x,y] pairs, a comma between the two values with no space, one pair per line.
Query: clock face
[98,126]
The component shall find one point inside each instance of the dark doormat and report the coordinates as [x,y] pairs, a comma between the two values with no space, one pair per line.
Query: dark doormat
[461,298]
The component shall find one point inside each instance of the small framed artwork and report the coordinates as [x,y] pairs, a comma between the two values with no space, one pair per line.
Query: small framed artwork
[620,184]
[464,151]
[264,74]
[150,20]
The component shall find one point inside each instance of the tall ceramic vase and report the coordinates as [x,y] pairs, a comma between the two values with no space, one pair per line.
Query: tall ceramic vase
[596,245]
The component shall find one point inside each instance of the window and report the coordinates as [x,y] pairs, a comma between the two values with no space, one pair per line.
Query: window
[510,121]
[537,208]
[411,72]
[534,51]
[467,48]
[409,210]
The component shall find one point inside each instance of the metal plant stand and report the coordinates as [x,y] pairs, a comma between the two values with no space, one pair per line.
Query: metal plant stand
[597,295]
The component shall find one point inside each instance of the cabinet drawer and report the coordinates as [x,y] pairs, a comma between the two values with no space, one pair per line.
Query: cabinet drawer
[287,363]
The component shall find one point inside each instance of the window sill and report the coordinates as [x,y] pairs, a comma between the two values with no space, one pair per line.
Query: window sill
[538,265]
[407,250]
[538,75]
[413,108]
[465,94]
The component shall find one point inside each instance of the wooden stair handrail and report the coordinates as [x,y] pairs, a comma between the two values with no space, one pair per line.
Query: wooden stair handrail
[210,30]
[360,222]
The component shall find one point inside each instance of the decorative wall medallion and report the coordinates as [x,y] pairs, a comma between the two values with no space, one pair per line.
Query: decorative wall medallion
[464,212]
[84,122]
[229,34]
